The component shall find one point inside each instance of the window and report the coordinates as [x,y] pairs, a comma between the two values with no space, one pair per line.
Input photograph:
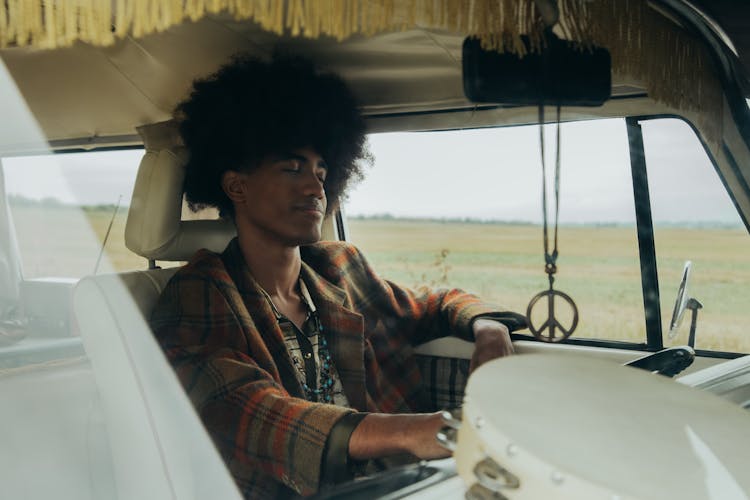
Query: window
[695,220]
[463,208]
[62,206]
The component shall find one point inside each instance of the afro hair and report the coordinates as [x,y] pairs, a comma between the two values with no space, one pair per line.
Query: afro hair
[251,108]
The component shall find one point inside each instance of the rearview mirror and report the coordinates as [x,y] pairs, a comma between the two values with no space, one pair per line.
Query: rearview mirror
[562,74]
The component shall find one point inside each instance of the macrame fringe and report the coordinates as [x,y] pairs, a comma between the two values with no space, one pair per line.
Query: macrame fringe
[674,66]
[628,28]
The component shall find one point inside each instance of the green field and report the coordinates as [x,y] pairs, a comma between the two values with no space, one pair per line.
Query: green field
[503,263]
[598,267]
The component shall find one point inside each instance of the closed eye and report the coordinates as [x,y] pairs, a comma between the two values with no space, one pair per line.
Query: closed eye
[322,171]
[290,165]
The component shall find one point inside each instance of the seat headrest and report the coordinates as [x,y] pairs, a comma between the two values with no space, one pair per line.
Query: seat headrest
[154,228]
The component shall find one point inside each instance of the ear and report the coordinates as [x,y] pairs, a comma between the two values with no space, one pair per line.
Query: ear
[233,185]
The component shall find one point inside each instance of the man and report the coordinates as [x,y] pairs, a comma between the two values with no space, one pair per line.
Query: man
[295,353]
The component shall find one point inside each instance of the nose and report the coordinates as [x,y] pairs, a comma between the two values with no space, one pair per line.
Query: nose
[313,186]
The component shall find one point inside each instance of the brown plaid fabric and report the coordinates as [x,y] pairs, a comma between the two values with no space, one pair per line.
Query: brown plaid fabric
[444,380]
[225,344]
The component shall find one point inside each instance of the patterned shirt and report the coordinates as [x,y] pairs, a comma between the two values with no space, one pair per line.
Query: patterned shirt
[304,349]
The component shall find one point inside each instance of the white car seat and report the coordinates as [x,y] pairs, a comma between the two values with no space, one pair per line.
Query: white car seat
[159,447]
[155,227]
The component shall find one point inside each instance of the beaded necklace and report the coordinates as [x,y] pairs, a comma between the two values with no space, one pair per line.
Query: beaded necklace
[322,385]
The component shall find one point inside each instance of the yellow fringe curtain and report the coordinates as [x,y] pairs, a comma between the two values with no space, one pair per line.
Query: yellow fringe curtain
[499,23]
[630,29]
[60,23]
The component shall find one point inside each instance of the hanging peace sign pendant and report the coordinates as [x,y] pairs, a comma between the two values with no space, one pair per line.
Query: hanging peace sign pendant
[551,326]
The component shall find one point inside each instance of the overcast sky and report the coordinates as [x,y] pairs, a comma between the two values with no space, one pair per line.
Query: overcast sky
[496,174]
[487,174]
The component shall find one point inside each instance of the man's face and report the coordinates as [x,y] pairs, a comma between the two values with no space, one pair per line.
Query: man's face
[284,198]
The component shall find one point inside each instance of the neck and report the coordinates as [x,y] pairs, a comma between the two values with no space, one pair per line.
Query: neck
[274,266]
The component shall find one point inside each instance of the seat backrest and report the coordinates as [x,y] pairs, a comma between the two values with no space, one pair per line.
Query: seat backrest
[159,448]
[144,287]
[158,444]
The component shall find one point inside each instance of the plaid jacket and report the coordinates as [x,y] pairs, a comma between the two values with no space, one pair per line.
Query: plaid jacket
[224,342]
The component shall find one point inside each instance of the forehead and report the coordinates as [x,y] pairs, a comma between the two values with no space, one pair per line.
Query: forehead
[305,154]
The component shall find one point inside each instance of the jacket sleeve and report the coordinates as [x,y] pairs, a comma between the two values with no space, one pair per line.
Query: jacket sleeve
[422,314]
[231,379]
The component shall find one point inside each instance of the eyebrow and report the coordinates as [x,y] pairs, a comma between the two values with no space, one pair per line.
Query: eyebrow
[294,156]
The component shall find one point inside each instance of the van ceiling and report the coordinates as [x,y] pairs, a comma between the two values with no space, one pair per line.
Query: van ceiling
[94,93]
[92,96]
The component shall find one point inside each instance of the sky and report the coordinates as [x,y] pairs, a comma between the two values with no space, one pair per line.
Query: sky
[497,174]
[488,174]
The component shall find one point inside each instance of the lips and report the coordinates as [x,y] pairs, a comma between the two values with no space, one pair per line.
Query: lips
[315,207]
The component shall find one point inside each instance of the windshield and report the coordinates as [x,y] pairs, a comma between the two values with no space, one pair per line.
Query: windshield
[464,208]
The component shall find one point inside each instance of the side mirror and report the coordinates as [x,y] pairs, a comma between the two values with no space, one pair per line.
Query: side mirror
[562,74]
[681,302]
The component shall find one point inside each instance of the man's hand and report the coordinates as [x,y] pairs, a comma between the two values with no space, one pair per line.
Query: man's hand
[422,436]
[491,340]
[380,435]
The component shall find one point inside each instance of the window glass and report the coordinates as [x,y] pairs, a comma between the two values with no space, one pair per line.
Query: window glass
[695,220]
[62,206]
[463,208]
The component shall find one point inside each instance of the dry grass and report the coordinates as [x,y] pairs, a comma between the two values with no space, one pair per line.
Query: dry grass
[66,241]
[598,266]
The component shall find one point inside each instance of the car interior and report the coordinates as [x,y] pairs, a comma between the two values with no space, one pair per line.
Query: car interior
[94,410]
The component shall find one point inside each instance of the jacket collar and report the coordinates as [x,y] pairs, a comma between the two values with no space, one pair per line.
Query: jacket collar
[345,334]
[262,319]
[344,328]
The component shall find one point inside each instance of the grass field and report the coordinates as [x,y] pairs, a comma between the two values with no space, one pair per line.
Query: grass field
[598,266]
